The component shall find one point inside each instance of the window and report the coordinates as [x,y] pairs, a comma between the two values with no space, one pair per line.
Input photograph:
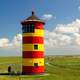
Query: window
[35,64]
[29,28]
[23,29]
[35,46]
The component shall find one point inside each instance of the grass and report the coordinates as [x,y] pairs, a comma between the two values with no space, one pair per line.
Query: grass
[15,62]
[57,68]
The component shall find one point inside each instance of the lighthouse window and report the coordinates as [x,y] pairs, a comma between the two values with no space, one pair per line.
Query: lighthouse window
[27,28]
[24,28]
[35,46]
[30,28]
[36,64]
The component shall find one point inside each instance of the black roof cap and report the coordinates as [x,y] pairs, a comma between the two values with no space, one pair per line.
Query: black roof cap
[33,17]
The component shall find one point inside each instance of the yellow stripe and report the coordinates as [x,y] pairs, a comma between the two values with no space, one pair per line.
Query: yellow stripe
[38,32]
[30,47]
[31,61]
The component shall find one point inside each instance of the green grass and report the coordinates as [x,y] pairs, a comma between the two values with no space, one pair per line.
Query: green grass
[15,62]
[57,68]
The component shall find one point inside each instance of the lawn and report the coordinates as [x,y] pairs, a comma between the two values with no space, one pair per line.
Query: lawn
[57,68]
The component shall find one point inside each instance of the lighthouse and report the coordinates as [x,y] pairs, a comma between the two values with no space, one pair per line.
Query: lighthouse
[32,45]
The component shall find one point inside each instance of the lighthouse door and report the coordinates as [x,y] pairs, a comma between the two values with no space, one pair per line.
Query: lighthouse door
[35,64]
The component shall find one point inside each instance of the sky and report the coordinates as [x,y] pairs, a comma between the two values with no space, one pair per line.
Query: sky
[62,28]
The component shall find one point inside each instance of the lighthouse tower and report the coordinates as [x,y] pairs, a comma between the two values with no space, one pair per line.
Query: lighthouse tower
[33,45]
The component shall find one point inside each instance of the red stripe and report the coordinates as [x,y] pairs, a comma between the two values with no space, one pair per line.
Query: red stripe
[33,40]
[39,26]
[32,69]
[33,54]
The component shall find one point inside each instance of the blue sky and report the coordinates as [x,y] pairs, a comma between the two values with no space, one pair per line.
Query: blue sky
[12,12]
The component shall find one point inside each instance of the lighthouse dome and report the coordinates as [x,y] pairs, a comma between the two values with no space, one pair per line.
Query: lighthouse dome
[32,18]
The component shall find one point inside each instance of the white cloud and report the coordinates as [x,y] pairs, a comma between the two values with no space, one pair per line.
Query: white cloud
[69,28]
[64,35]
[4,42]
[11,48]
[57,40]
[48,17]
[16,42]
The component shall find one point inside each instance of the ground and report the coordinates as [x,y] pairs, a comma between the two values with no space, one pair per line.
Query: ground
[57,68]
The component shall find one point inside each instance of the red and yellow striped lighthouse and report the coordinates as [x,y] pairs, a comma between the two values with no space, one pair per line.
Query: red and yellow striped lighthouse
[33,45]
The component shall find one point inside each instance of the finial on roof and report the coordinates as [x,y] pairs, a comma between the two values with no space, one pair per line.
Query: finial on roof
[33,12]
[32,18]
